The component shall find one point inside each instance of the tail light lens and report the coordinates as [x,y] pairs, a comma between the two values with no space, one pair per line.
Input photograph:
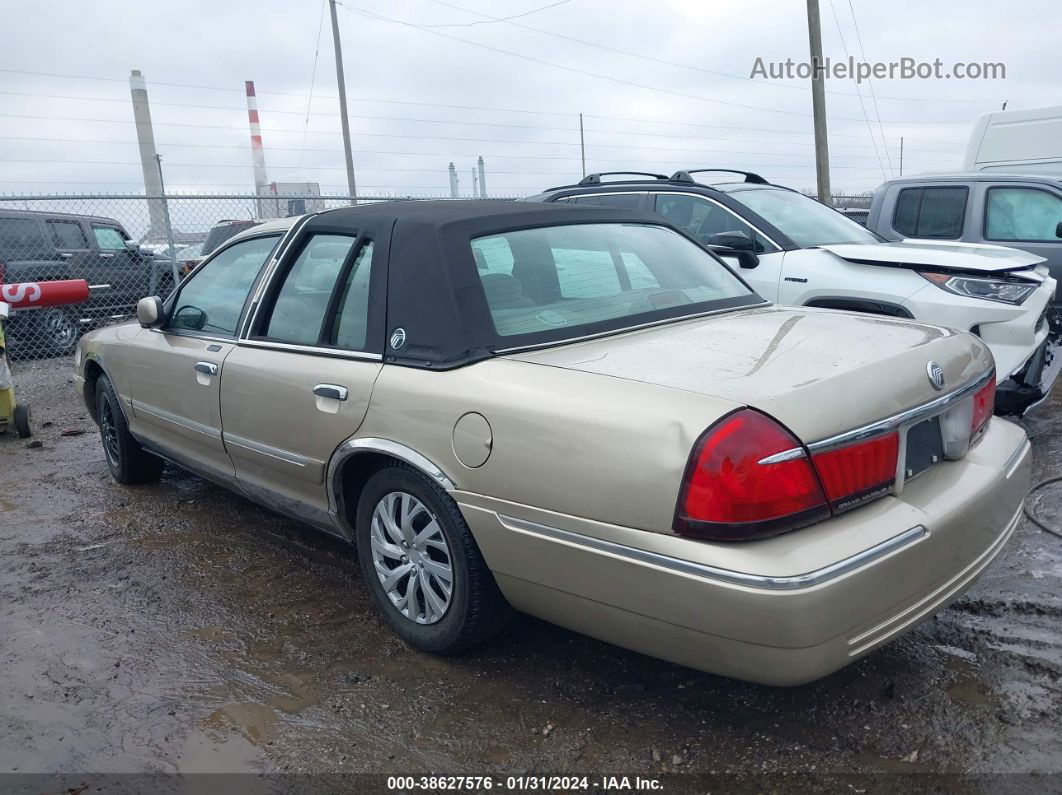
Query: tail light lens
[734,491]
[984,403]
[749,478]
[859,472]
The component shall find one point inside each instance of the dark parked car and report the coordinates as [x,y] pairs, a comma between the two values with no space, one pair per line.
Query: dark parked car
[45,246]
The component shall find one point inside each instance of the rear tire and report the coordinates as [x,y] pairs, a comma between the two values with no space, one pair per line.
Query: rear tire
[128,462]
[23,421]
[60,331]
[416,554]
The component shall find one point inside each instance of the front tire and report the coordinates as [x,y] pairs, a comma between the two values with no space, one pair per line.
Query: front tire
[421,563]
[128,462]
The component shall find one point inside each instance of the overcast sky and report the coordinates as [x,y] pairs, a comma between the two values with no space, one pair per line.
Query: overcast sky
[665,88]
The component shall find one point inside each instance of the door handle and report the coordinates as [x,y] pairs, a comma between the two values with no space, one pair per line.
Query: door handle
[206,368]
[333,391]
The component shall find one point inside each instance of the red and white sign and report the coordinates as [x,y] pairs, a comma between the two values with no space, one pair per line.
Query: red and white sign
[26,295]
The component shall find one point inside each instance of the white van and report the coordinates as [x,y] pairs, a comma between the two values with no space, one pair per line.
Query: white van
[1017,142]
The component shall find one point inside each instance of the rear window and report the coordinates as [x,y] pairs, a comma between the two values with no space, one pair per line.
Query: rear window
[584,278]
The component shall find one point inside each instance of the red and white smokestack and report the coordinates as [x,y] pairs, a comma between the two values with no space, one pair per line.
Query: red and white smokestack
[257,153]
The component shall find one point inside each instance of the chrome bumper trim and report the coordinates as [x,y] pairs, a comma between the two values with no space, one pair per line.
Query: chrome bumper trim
[758,581]
[908,417]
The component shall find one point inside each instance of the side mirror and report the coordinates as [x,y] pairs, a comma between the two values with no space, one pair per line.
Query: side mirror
[736,241]
[1058,229]
[747,259]
[149,311]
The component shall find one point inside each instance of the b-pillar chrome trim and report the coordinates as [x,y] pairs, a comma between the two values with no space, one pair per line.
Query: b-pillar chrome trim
[353,447]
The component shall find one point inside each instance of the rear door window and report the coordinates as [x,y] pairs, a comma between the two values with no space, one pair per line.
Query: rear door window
[936,212]
[299,311]
[630,200]
[68,235]
[350,330]
[23,238]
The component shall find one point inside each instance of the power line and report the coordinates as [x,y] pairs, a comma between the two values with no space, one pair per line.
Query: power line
[502,19]
[382,18]
[313,77]
[450,106]
[870,84]
[678,64]
[408,137]
[862,107]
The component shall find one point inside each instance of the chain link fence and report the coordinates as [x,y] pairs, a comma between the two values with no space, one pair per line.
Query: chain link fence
[128,247]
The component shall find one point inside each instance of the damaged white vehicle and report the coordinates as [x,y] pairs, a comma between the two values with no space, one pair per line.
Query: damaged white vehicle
[794,250]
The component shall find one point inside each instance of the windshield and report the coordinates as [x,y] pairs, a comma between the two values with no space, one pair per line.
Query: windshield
[802,219]
[565,281]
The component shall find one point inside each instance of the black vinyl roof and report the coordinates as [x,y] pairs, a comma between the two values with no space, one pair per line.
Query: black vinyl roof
[506,214]
[434,293]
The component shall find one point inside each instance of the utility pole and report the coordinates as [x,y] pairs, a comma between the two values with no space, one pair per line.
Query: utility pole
[818,104]
[582,144]
[901,155]
[351,186]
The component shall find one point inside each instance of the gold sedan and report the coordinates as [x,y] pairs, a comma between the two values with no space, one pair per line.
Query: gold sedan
[578,413]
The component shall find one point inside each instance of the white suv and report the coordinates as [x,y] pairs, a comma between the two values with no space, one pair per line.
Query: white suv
[794,250]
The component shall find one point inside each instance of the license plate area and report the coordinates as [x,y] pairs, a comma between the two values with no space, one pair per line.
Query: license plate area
[925,448]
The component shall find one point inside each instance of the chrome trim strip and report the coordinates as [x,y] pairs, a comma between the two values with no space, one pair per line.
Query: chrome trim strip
[907,417]
[704,571]
[1016,458]
[183,422]
[265,449]
[311,349]
[614,332]
[403,453]
[786,455]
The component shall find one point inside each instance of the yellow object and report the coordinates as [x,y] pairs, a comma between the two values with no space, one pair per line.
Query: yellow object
[7,386]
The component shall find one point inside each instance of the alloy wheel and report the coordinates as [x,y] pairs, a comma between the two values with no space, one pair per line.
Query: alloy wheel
[411,557]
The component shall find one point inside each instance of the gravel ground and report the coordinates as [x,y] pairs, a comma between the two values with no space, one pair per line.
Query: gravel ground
[179,628]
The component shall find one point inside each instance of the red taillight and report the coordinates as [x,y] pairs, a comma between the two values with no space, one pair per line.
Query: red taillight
[750,478]
[984,403]
[859,472]
[731,492]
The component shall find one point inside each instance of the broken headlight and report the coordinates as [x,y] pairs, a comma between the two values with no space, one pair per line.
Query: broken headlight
[1006,292]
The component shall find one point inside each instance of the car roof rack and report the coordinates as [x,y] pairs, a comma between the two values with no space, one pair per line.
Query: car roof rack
[686,176]
[595,179]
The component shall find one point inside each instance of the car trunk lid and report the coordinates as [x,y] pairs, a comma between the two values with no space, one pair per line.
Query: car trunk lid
[819,372]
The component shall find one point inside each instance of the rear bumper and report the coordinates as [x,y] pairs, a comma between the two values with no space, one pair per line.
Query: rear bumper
[782,611]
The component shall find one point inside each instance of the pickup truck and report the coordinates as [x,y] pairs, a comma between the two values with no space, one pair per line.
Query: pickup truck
[47,246]
[1021,211]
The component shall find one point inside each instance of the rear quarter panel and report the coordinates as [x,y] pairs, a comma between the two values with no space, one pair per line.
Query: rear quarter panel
[587,445]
